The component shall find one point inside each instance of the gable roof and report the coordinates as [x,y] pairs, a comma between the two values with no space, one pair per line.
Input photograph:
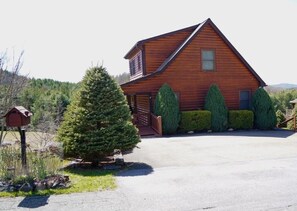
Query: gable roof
[20,109]
[140,43]
[198,27]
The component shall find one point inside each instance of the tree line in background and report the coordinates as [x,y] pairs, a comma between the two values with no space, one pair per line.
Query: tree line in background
[47,99]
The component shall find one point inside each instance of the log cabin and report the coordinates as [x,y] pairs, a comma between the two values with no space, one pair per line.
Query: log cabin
[190,60]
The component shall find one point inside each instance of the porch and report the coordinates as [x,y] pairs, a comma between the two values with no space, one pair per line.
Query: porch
[152,129]
[141,108]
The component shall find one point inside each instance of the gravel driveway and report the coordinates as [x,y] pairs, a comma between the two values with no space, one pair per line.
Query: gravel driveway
[229,171]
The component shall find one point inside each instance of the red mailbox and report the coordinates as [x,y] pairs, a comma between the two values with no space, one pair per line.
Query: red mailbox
[17,117]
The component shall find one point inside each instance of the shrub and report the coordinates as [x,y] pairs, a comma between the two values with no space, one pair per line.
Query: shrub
[280,117]
[265,117]
[98,119]
[215,103]
[195,121]
[166,105]
[241,119]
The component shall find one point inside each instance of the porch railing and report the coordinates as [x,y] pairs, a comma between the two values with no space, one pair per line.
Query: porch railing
[157,124]
[292,118]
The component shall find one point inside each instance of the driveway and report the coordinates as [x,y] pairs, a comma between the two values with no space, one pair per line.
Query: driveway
[230,171]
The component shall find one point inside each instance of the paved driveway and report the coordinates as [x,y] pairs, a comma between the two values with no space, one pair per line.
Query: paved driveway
[229,171]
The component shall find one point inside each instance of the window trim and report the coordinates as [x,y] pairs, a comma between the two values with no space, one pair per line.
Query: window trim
[138,63]
[132,67]
[250,99]
[214,59]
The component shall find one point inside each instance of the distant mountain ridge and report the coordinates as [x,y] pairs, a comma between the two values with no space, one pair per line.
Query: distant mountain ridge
[280,87]
[285,86]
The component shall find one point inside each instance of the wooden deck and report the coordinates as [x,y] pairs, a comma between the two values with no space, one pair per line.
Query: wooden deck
[145,131]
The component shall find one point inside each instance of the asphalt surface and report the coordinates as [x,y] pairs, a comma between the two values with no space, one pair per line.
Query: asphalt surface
[230,171]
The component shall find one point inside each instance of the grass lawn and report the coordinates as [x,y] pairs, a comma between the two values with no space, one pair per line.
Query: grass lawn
[82,180]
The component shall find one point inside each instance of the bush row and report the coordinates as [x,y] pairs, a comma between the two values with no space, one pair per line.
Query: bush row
[200,120]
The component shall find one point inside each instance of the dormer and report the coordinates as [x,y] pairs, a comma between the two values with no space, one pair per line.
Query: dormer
[136,66]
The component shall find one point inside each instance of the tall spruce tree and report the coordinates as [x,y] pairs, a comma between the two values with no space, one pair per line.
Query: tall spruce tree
[98,120]
[215,103]
[166,105]
[265,117]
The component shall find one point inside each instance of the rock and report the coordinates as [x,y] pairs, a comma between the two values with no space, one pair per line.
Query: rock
[11,188]
[118,159]
[3,186]
[230,129]
[191,132]
[40,186]
[26,187]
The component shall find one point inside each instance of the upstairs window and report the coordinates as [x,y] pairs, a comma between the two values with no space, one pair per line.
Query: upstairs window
[245,101]
[208,60]
[139,62]
[132,67]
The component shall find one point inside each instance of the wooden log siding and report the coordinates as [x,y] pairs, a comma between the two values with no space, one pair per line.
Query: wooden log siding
[185,76]
[157,50]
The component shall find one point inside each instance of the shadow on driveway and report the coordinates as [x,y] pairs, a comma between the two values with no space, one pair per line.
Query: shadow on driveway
[34,201]
[277,133]
[136,169]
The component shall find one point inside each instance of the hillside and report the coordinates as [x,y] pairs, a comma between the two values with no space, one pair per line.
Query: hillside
[280,87]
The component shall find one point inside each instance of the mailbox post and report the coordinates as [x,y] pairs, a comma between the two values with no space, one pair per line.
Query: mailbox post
[19,117]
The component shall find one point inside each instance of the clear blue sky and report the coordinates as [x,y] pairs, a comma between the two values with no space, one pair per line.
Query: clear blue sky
[62,38]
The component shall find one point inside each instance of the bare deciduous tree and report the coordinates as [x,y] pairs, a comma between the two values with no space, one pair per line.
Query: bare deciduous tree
[11,83]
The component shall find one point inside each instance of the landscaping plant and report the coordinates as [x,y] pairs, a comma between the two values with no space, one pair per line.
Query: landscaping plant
[199,120]
[241,119]
[98,119]
[265,117]
[215,103]
[166,105]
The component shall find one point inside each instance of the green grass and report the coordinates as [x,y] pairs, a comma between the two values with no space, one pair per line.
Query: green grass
[82,180]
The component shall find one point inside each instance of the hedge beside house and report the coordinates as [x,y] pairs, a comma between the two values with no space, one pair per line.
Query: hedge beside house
[166,106]
[215,103]
[265,117]
[241,119]
[198,120]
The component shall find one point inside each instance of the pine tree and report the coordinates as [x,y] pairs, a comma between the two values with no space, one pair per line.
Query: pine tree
[215,103]
[166,105]
[98,119]
[265,117]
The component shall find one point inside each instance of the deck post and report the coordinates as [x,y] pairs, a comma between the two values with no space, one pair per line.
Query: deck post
[295,129]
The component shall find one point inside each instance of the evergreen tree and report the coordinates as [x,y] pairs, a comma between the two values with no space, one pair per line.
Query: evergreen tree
[98,119]
[265,117]
[166,105]
[215,103]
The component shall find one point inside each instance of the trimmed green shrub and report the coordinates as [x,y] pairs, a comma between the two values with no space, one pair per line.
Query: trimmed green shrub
[195,121]
[166,105]
[98,119]
[241,119]
[265,117]
[215,103]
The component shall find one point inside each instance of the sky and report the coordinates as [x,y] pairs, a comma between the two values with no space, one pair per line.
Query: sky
[61,39]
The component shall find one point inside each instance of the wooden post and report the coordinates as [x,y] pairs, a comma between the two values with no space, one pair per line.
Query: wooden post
[23,148]
[295,129]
